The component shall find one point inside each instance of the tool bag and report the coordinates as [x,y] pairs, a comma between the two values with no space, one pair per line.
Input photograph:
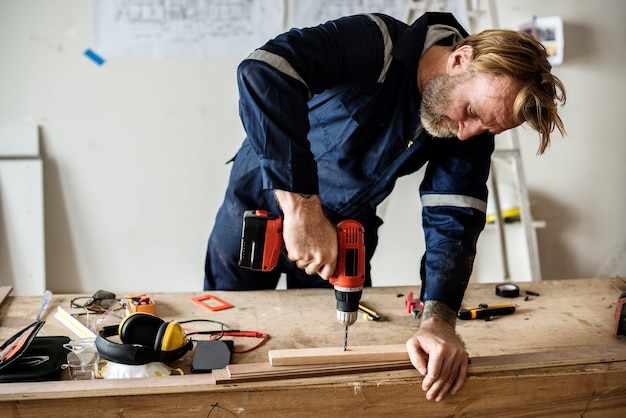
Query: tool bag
[28,358]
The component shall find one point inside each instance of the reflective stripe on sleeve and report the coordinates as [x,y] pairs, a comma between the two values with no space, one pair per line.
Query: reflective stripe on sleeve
[388,45]
[279,63]
[455,200]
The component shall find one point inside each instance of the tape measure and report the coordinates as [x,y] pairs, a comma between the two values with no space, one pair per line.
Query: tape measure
[507,290]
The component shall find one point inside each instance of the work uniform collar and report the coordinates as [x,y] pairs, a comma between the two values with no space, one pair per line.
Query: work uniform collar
[430,29]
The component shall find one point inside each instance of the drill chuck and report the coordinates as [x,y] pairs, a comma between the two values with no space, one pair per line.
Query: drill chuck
[346,318]
[348,304]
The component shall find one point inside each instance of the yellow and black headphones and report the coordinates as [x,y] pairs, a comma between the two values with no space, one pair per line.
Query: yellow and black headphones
[145,338]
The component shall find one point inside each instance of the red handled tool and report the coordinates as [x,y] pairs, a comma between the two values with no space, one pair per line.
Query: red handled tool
[414,307]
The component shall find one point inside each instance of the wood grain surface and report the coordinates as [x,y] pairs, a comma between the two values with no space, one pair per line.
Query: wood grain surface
[555,356]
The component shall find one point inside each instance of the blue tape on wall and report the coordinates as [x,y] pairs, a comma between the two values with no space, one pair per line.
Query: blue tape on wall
[94,57]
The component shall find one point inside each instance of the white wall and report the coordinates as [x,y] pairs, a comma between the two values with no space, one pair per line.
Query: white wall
[577,187]
[134,152]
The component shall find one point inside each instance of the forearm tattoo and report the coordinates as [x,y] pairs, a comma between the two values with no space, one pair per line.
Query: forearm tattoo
[434,308]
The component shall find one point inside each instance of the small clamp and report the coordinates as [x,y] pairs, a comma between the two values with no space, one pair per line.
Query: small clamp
[413,307]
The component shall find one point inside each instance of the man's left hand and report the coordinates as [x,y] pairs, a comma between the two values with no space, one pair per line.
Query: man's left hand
[437,352]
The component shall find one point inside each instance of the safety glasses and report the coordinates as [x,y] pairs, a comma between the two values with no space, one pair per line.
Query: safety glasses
[101,301]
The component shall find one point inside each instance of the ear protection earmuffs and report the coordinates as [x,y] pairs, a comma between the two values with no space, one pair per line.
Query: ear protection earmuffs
[145,338]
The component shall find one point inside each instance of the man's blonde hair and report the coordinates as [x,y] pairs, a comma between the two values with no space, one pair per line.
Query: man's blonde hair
[522,57]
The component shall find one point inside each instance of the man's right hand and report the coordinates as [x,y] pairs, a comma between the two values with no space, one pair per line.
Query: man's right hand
[310,238]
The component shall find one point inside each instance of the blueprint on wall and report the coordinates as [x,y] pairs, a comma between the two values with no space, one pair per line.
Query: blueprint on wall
[314,12]
[143,29]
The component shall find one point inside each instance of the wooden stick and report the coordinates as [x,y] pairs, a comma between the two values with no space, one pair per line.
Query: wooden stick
[251,372]
[73,324]
[334,355]
[4,292]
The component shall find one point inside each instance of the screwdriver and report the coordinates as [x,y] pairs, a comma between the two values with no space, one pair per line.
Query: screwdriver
[45,300]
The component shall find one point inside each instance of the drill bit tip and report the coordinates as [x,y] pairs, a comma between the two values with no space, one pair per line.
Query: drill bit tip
[345,340]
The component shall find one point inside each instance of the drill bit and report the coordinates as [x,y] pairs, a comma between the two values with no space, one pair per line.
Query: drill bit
[345,340]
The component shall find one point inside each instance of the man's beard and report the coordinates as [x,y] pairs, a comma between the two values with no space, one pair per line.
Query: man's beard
[434,99]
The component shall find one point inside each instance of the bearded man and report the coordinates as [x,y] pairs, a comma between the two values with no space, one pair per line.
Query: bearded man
[335,114]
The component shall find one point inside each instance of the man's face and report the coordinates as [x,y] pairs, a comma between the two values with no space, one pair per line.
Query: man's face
[468,104]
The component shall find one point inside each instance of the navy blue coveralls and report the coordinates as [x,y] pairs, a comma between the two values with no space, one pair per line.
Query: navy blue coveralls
[334,110]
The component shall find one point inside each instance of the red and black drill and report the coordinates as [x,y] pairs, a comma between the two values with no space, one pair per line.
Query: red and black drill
[262,242]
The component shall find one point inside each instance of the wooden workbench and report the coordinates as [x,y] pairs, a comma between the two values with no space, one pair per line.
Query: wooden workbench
[569,315]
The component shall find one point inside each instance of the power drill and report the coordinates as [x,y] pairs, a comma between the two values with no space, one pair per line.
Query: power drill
[262,242]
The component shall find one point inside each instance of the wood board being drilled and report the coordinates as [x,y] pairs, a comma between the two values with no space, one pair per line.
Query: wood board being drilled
[336,355]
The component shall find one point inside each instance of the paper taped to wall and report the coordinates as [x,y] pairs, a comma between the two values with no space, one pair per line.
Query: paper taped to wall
[200,29]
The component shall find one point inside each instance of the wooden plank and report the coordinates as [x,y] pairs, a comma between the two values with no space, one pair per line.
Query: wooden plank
[397,353]
[4,293]
[255,372]
[599,393]
[252,372]
[547,359]
[335,355]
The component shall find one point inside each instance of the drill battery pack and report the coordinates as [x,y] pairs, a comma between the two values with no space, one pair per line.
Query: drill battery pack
[261,240]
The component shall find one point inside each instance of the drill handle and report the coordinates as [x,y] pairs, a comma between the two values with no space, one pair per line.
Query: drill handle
[350,270]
